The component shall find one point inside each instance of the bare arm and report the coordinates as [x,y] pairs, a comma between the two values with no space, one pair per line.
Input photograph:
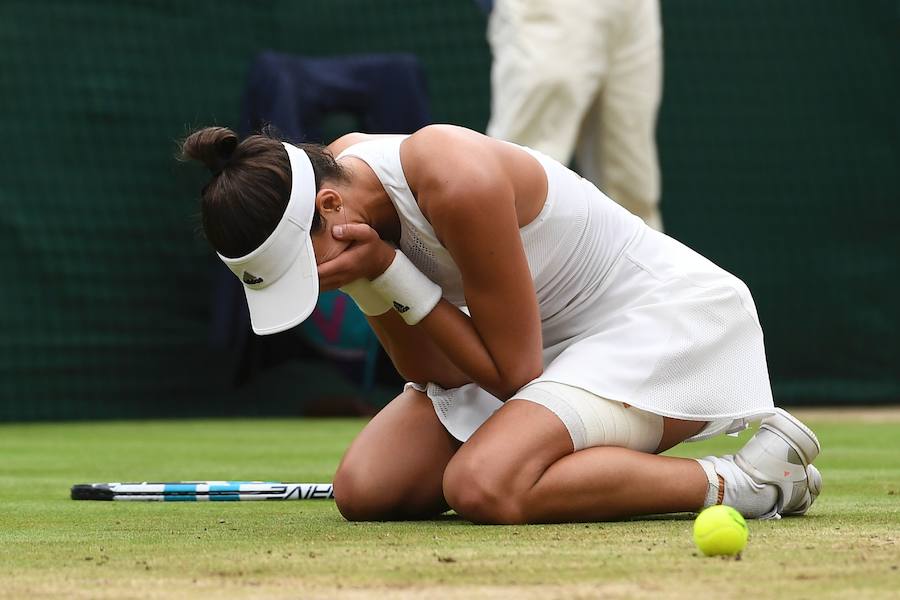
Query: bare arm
[469,200]
[467,195]
[414,354]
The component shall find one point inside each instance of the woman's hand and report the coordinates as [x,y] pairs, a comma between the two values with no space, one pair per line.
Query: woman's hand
[367,257]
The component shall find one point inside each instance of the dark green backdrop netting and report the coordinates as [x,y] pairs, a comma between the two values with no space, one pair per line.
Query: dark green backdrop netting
[778,139]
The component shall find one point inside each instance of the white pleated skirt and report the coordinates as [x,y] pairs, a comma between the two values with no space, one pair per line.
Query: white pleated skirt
[670,333]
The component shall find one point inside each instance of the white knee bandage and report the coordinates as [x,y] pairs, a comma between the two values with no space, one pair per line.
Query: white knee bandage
[408,290]
[595,421]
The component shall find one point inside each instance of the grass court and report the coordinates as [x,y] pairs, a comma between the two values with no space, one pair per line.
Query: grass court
[52,547]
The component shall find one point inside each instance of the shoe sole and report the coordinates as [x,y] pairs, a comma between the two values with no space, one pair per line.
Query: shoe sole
[798,435]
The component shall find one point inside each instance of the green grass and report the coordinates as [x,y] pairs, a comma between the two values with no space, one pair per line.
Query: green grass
[51,547]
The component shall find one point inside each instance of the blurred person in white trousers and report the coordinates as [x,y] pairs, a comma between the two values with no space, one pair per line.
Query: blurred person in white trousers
[583,79]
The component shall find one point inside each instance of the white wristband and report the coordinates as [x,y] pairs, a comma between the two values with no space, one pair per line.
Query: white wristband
[409,290]
[370,302]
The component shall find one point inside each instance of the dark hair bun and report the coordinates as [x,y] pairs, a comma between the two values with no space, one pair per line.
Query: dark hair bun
[213,146]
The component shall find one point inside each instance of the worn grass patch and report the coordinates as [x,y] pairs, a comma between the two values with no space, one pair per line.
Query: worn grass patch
[50,546]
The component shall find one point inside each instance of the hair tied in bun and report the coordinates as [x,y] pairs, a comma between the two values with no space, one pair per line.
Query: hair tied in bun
[224,149]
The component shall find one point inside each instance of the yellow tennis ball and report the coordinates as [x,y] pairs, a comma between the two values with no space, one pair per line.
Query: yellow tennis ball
[720,530]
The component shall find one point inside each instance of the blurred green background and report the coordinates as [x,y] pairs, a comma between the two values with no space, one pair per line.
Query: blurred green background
[779,141]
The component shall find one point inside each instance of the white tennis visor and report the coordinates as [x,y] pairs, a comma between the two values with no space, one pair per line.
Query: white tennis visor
[280,277]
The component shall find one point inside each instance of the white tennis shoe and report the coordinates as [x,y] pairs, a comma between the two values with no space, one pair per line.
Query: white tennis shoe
[781,453]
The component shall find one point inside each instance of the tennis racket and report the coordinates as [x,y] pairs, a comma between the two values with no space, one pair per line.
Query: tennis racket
[202,491]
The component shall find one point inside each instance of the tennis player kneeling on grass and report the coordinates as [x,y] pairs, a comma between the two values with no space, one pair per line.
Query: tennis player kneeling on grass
[554,344]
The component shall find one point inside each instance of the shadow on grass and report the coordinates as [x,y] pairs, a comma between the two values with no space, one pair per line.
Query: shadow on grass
[451,518]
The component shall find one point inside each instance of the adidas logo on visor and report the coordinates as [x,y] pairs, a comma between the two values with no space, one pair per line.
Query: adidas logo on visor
[251,279]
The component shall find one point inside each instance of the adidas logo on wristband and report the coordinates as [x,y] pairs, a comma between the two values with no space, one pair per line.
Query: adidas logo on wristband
[251,279]
[410,292]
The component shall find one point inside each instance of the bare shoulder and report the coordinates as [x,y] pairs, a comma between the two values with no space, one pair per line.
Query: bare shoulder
[345,141]
[447,165]
[428,150]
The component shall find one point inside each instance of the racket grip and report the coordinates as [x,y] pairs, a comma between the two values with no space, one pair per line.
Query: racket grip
[87,491]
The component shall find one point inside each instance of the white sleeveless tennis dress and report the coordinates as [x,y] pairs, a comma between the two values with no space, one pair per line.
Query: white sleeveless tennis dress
[627,313]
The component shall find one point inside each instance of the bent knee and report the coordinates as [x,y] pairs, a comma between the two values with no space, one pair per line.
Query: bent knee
[364,494]
[359,497]
[480,496]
